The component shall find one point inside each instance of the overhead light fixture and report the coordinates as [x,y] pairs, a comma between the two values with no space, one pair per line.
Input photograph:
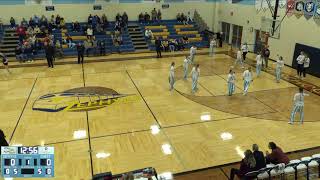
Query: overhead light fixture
[80,134]
[205,116]
[102,155]
[166,149]
[226,136]
[154,129]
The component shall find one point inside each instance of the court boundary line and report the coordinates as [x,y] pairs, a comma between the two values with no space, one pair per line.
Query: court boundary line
[23,109]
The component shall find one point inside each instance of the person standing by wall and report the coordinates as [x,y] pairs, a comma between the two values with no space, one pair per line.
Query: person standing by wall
[306,64]
[245,50]
[300,62]
[266,55]
[158,47]
[213,44]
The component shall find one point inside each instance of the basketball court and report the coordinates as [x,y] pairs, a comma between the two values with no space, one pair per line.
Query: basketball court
[198,130]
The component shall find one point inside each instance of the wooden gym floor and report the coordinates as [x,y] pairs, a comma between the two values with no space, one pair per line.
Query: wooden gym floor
[204,129]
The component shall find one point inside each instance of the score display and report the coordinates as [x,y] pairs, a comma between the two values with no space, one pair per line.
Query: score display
[21,161]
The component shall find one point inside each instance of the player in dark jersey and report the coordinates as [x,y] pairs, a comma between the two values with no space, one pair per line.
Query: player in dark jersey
[5,61]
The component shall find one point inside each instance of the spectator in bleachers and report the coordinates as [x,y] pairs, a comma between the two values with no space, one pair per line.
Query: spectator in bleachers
[62,24]
[179,19]
[94,21]
[36,20]
[19,54]
[24,23]
[248,163]
[43,21]
[117,26]
[185,40]
[165,45]
[90,19]
[76,27]
[99,28]
[31,23]
[148,33]
[58,49]
[118,17]
[277,155]
[29,31]
[105,21]
[88,46]
[125,19]
[89,32]
[69,41]
[37,31]
[1,24]
[141,18]
[159,16]
[80,51]
[172,45]
[184,19]
[154,15]
[58,21]
[28,51]
[189,18]
[259,157]
[180,44]
[146,18]
[12,23]
[102,47]
[21,33]
[52,23]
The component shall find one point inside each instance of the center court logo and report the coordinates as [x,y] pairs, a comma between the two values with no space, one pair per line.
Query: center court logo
[81,99]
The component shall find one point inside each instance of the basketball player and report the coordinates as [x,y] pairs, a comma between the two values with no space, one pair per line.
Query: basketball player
[192,53]
[300,60]
[231,80]
[259,64]
[213,44]
[195,73]
[298,106]
[279,66]
[247,79]
[239,59]
[5,61]
[171,76]
[244,50]
[185,67]
[306,64]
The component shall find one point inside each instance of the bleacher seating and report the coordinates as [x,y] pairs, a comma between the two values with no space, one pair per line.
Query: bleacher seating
[306,168]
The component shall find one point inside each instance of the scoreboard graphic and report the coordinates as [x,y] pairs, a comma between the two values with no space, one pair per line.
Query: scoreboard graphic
[27,162]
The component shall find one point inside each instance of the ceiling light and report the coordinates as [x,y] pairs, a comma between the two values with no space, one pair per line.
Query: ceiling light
[166,176]
[166,149]
[154,129]
[205,116]
[226,136]
[80,134]
[102,155]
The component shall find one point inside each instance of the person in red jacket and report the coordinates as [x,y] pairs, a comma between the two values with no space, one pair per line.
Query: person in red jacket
[21,33]
[277,155]
[248,164]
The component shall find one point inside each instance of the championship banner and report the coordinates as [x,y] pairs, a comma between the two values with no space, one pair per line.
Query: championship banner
[309,8]
[290,7]
[258,5]
[317,10]
[265,5]
[299,8]
[282,4]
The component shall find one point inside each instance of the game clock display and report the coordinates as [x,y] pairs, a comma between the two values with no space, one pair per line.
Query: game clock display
[27,162]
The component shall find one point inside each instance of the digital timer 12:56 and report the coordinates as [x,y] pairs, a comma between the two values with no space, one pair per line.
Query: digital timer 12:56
[27,150]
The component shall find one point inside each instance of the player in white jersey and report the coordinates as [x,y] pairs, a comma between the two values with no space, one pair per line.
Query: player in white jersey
[279,66]
[213,44]
[239,59]
[306,64]
[298,106]
[258,64]
[195,73]
[300,61]
[192,53]
[171,76]
[231,82]
[186,62]
[247,79]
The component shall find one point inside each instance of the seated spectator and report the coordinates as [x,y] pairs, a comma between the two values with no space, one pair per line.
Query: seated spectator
[88,46]
[189,18]
[76,27]
[146,18]
[125,19]
[172,45]
[29,31]
[159,16]
[31,23]
[58,50]
[154,15]
[69,41]
[52,22]
[105,21]
[259,157]
[118,17]
[24,23]
[165,45]
[248,164]
[37,31]
[36,20]
[179,19]
[185,39]
[94,21]
[180,44]
[141,18]
[102,47]
[148,34]
[43,21]
[58,20]
[62,24]
[89,32]
[117,26]
[90,19]
[183,19]
[99,28]
[21,33]
[12,23]
[277,155]
[19,54]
